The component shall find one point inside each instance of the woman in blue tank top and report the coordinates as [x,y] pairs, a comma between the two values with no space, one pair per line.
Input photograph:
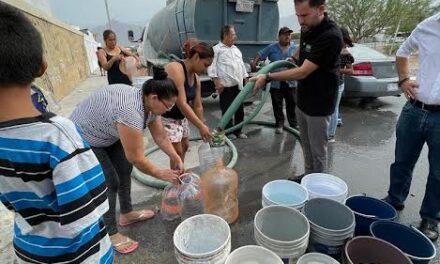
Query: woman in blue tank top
[199,56]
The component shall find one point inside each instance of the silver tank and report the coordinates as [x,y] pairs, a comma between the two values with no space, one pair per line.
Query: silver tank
[256,23]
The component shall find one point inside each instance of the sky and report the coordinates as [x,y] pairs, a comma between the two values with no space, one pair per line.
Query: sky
[86,13]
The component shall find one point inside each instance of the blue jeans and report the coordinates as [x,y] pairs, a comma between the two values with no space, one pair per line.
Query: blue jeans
[334,117]
[416,127]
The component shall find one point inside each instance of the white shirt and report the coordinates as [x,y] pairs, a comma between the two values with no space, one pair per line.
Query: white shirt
[426,39]
[228,65]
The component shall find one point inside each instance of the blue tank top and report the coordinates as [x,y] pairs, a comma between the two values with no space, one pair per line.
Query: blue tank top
[190,92]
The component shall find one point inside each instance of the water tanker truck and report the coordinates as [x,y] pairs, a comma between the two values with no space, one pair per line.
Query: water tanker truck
[256,23]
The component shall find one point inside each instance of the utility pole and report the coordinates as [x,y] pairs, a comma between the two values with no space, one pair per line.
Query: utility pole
[108,15]
[394,37]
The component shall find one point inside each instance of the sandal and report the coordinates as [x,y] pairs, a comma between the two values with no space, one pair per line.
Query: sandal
[143,216]
[121,247]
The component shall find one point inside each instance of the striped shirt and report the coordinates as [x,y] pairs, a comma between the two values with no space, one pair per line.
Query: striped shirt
[53,182]
[98,115]
[228,66]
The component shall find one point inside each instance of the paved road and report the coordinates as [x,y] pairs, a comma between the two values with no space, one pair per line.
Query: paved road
[361,156]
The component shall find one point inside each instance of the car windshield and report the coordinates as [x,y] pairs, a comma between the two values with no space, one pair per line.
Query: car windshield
[360,52]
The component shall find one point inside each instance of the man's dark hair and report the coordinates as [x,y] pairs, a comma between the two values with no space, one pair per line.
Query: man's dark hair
[21,48]
[225,31]
[312,3]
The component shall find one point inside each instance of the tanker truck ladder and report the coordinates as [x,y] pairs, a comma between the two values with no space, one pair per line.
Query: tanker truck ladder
[181,24]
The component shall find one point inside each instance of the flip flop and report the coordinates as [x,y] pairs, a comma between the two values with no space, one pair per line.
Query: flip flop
[125,250]
[143,216]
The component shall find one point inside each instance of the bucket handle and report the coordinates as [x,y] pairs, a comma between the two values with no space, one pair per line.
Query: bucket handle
[360,194]
[361,214]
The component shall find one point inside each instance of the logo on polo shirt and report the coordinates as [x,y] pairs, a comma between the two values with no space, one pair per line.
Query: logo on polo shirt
[308,48]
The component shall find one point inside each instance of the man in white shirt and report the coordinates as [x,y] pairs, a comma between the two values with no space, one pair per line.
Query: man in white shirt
[419,123]
[228,73]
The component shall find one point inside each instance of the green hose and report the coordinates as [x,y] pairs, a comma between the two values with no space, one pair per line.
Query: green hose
[246,90]
[156,183]
[160,184]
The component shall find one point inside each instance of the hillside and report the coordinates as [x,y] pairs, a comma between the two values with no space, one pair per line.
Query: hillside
[120,29]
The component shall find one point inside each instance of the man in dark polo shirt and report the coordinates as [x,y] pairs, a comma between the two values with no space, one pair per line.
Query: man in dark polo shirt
[317,75]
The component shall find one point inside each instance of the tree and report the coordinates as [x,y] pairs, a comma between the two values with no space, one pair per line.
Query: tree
[413,13]
[366,18]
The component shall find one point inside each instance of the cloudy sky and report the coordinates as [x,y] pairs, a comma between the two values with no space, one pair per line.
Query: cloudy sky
[85,13]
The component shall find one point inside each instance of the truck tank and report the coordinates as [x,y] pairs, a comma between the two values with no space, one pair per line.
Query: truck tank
[256,23]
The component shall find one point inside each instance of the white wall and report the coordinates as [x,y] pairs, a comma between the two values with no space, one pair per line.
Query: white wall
[91,46]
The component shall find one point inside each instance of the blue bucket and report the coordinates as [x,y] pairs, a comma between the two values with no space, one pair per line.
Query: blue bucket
[368,210]
[411,241]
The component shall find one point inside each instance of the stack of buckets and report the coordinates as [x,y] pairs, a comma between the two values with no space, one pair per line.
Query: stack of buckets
[321,185]
[310,216]
[202,238]
[285,193]
[332,224]
[283,230]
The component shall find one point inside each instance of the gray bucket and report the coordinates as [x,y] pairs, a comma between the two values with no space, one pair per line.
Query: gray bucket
[283,230]
[331,225]
[202,239]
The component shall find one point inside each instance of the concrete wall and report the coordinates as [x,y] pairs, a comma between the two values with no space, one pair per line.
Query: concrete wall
[64,51]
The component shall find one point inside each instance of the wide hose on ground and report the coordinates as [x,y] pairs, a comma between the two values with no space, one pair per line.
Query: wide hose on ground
[154,182]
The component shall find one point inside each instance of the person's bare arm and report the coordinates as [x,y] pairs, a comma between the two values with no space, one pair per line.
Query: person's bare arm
[176,73]
[198,106]
[133,143]
[161,139]
[409,87]
[107,64]
[348,70]
[255,62]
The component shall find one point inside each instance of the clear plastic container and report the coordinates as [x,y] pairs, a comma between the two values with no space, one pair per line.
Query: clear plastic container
[208,156]
[170,207]
[190,196]
[220,192]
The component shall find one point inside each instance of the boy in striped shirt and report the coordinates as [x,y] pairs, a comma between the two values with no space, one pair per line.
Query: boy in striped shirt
[48,175]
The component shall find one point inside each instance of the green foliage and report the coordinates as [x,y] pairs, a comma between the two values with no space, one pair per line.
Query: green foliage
[366,18]
[415,11]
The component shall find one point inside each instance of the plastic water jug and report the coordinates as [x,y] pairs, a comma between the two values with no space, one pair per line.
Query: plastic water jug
[170,207]
[190,196]
[220,192]
[208,155]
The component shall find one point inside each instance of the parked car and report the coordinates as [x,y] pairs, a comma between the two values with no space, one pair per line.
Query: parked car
[374,74]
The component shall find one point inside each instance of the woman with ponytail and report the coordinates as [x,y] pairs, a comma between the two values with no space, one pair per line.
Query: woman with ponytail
[112,120]
[198,57]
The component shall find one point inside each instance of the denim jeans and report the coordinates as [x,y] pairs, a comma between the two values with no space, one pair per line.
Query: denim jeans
[331,132]
[416,127]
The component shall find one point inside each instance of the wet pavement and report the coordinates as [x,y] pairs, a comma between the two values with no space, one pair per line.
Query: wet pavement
[361,155]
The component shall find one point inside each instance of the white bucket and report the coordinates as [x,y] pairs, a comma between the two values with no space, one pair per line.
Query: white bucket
[283,230]
[202,239]
[316,258]
[331,225]
[284,192]
[139,81]
[253,255]
[322,185]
